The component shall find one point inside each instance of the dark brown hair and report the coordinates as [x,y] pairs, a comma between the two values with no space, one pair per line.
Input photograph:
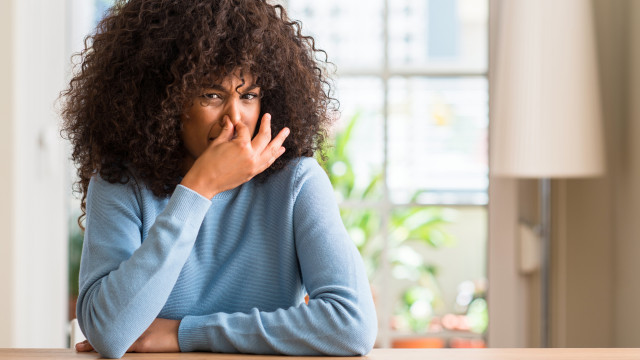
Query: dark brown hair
[148,58]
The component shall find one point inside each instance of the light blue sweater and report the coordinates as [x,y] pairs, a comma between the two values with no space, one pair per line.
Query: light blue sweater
[235,269]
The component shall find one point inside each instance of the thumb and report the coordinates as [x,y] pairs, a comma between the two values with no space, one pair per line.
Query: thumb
[227,131]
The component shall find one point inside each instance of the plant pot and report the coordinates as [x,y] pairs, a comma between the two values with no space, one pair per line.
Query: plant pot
[418,343]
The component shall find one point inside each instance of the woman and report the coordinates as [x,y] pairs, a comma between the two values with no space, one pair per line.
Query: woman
[202,233]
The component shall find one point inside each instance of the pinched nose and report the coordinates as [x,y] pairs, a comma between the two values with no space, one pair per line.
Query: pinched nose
[233,111]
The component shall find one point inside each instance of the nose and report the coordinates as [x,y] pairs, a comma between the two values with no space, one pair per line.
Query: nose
[233,110]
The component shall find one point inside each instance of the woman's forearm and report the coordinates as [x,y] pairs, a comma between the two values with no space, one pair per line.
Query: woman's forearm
[124,287]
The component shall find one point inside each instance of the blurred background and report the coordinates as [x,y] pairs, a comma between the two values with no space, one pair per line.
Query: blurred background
[452,250]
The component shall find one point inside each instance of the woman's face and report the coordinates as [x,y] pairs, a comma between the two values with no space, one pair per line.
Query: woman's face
[205,116]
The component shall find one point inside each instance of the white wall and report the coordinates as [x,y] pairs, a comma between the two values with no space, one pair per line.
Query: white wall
[507,294]
[6,179]
[33,211]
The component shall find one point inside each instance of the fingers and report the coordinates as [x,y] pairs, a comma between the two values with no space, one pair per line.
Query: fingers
[264,134]
[263,142]
[275,149]
[84,346]
[227,131]
[242,132]
[277,141]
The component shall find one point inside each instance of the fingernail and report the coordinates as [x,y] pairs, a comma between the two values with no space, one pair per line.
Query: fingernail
[286,131]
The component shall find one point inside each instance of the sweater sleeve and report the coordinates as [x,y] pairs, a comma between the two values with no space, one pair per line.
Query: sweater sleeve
[125,281]
[340,318]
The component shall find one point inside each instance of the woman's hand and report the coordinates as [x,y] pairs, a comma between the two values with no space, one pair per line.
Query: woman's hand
[230,161]
[161,336]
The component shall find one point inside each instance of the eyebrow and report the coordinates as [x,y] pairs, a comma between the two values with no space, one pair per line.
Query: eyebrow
[252,86]
[221,88]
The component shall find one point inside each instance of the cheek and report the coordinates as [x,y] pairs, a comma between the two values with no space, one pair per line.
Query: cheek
[195,132]
[190,139]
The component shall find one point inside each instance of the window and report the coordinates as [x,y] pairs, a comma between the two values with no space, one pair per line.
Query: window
[409,161]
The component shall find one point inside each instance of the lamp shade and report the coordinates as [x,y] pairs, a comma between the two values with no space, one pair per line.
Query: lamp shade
[546,114]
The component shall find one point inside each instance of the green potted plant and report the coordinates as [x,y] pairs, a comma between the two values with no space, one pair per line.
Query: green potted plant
[410,228]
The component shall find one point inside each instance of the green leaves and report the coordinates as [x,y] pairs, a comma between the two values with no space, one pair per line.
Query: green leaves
[411,230]
[424,225]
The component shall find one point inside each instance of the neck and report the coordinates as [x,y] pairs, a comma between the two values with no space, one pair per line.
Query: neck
[187,163]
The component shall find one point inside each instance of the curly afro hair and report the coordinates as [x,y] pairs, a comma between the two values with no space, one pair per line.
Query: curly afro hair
[149,58]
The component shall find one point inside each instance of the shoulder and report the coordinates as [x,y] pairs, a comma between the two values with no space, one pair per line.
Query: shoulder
[310,178]
[298,175]
[309,165]
[127,184]
[305,167]
[128,192]
[300,170]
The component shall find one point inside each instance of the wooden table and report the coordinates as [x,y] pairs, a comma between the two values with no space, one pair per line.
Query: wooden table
[376,354]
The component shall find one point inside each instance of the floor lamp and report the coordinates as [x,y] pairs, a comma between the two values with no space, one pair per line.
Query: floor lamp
[545,105]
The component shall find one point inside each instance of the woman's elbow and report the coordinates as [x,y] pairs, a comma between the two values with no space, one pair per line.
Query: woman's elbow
[111,353]
[105,341]
[367,339]
[106,347]
[359,338]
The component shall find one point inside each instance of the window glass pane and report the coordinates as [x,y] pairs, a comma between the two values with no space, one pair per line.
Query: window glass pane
[439,269]
[101,8]
[350,31]
[356,150]
[445,35]
[438,140]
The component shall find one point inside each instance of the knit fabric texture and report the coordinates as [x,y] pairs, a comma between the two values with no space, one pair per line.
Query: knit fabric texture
[234,269]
